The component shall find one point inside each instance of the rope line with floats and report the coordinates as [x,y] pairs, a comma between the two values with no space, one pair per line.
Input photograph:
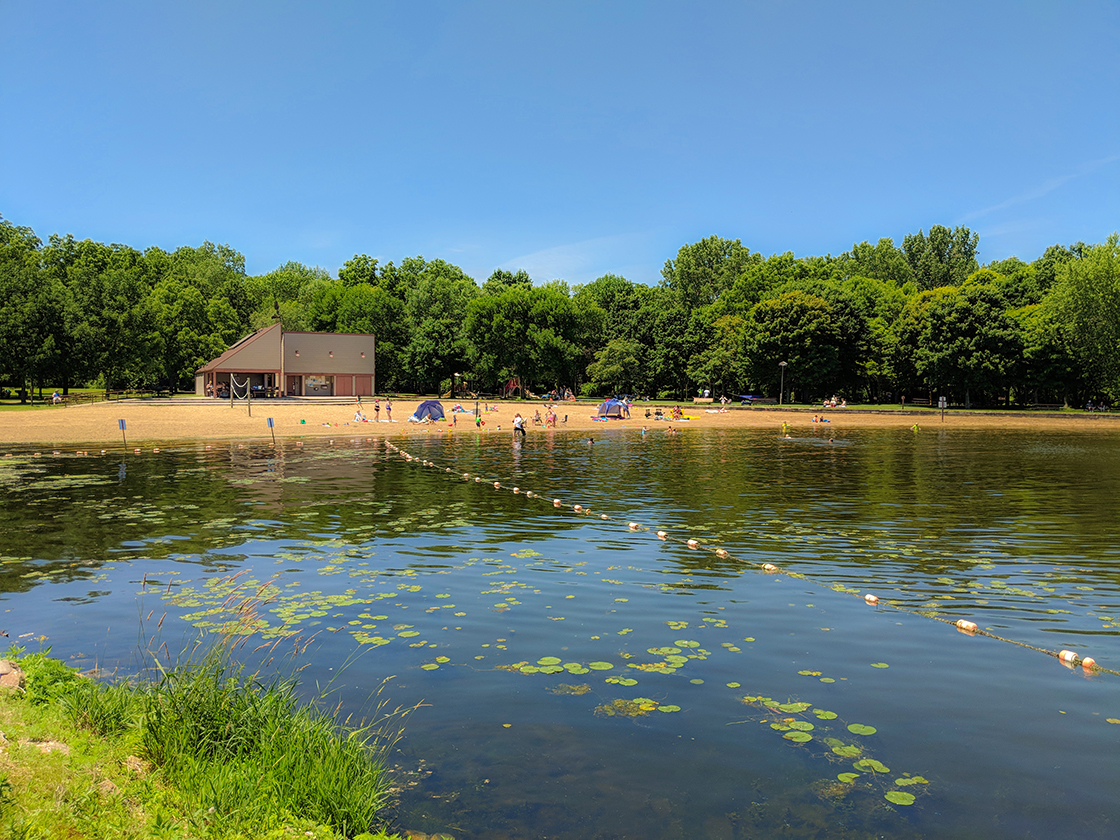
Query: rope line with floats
[970,628]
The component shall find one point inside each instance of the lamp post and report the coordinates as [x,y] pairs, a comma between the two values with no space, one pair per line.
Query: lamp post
[782,389]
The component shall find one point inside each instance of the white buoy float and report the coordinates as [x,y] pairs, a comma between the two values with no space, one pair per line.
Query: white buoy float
[769,567]
[722,552]
[871,599]
[516,490]
[966,626]
[661,535]
[557,503]
[1068,656]
[693,544]
[577,508]
[633,526]
[497,485]
[603,516]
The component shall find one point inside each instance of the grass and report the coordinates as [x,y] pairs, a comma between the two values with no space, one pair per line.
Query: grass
[205,751]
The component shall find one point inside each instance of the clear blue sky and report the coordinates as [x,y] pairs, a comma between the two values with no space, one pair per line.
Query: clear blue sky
[570,139]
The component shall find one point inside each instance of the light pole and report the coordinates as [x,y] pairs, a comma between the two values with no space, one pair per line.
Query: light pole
[782,389]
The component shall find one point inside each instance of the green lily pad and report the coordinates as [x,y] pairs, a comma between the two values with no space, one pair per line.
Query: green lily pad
[408,634]
[871,764]
[663,651]
[879,665]
[627,681]
[530,669]
[794,707]
[781,727]
[798,737]
[824,715]
[734,685]
[847,778]
[551,669]
[802,725]
[669,708]
[911,780]
[827,680]
[442,659]
[579,670]
[697,681]
[429,666]
[899,797]
[847,751]
[686,644]
[548,660]
[599,666]
[861,729]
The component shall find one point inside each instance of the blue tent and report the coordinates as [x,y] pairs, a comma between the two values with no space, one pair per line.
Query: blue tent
[614,408]
[428,410]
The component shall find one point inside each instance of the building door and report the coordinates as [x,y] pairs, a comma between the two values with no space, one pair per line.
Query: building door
[295,386]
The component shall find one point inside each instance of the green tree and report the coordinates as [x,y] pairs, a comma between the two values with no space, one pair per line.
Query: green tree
[799,329]
[1086,296]
[944,258]
[619,367]
[704,270]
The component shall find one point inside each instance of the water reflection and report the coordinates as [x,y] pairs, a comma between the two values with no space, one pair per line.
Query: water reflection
[407,565]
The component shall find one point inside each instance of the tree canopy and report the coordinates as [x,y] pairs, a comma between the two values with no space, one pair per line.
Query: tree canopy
[878,322]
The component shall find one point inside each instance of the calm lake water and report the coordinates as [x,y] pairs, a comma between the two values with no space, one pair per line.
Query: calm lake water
[583,680]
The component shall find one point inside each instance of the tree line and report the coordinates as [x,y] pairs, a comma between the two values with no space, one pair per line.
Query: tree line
[874,324]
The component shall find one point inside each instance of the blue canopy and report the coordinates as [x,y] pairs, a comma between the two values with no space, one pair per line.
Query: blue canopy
[429,409]
[614,408]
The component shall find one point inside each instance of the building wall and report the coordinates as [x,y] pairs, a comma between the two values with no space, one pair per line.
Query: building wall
[328,354]
[262,353]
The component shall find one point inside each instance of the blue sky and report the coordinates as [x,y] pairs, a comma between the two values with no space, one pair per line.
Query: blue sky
[570,139]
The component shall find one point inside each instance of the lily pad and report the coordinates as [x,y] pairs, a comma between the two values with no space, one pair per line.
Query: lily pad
[548,660]
[861,729]
[551,669]
[442,659]
[899,797]
[847,751]
[879,665]
[824,715]
[734,685]
[794,707]
[847,778]
[911,780]
[798,737]
[697,681]
[429,666]
[669,708]
[599,666]
[408,634]
[871,764]
[686,644]
[663,651]
[802,725]
[529,669]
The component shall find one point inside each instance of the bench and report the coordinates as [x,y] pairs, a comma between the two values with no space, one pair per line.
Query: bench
[1046,407]
[703,399]
[761,401]
[918,402]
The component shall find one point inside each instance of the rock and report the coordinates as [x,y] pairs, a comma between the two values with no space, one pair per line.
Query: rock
[11,675]
[107,788]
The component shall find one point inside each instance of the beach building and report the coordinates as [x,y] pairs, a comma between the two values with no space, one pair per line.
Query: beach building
[294,364]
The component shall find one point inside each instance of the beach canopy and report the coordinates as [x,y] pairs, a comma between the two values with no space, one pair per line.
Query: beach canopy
[613,408]
[428,410]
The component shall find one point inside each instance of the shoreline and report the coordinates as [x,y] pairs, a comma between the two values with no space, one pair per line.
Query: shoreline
[190,420]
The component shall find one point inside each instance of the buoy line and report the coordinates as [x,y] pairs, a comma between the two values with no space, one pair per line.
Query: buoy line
[970,628]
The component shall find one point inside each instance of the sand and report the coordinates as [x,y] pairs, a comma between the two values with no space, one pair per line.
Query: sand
[165,421]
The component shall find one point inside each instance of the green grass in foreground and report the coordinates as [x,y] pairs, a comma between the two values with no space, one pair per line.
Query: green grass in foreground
[205,752]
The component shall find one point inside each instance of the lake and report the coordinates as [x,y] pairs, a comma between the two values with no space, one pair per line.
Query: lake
[577,678]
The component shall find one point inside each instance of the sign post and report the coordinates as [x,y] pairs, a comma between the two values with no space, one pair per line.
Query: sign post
[272,429]
[941,404]
[121,426]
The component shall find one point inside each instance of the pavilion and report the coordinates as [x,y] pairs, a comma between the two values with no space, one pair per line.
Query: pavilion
[294,364]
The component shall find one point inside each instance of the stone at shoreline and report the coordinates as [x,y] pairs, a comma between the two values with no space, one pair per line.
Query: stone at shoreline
[11,675]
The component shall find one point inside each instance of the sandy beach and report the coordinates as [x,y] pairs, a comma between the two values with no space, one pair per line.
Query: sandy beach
[150,423]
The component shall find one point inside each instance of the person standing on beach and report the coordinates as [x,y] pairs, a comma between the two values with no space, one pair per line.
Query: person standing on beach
[518,425]
[388,412]
[376,411]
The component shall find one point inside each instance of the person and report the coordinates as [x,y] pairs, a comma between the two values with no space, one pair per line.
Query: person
[358,416]
[518,425]
[644,430]
[377,410]
[723,400]
[56,397]
[388,412]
